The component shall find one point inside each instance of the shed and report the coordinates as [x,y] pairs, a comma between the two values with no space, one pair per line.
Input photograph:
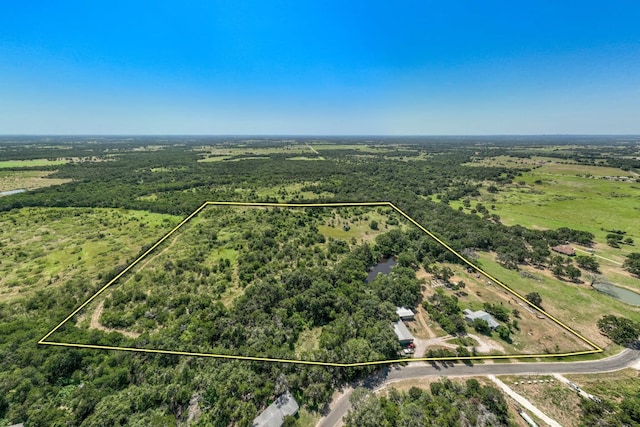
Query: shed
[405,313]
[273,416]
[564,249]
[404,336]
[470,316]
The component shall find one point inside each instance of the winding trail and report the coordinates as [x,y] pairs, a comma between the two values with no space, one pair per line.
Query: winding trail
[596,255]
[95,323]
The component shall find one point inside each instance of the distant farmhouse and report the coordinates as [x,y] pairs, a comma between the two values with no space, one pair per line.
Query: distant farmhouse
[564,250]
[403,334]
[405,313]
[273,416]
[470,316]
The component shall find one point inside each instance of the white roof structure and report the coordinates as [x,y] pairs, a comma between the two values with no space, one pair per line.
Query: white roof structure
[470,316]
[274,415]
[402,332]
[405,313]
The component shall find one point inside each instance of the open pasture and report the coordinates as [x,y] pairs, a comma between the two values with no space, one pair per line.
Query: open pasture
[31,163]
[45,247]
[28,180]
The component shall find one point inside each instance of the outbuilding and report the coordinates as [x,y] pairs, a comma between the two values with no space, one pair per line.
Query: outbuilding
[285,405]
[403,334]
[564,250]
[405,313]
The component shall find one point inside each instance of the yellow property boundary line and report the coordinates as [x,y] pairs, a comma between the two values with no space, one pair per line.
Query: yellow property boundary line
[44,341]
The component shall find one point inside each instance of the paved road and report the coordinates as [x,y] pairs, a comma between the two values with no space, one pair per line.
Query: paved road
[622,360]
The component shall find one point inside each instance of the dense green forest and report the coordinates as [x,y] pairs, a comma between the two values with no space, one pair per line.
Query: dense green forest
[294,279]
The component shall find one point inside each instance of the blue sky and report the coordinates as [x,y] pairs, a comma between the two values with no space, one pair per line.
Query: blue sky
[311,67]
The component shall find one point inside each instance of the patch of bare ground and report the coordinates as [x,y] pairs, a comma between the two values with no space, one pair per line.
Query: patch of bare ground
[95,323]
[28,180]
[552,397]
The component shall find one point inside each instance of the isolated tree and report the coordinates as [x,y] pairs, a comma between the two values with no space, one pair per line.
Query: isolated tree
[572,272]
[481,325]
[632,263]
[444,273]
[534,298]
[504,333]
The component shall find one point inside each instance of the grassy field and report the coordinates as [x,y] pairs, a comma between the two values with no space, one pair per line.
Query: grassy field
[308,341]
[28,180]
[613,385]
[557,195]
[576,196]
[297,151]
[577,305]
[30,163]
[551,396]
[359,228]
[561,403]
[43,247]
[284,193]
[221,153]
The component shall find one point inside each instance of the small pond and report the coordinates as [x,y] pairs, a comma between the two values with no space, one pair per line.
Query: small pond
[383,266]
[624,295]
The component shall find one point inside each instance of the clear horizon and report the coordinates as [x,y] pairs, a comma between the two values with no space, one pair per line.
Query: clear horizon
[303,68]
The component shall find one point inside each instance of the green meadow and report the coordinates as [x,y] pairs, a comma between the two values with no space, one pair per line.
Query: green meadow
[30,163]
[576,305]
[45,247]
[574,196]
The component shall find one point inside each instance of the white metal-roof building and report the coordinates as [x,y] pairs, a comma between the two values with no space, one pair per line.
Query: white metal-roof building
[274,415]
[470,316]
[404,336]
[405,313]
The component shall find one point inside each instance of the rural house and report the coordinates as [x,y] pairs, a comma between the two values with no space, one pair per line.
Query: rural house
[470,316]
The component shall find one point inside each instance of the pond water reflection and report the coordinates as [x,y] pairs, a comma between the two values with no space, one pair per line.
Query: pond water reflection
[383,266]
[624,295]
